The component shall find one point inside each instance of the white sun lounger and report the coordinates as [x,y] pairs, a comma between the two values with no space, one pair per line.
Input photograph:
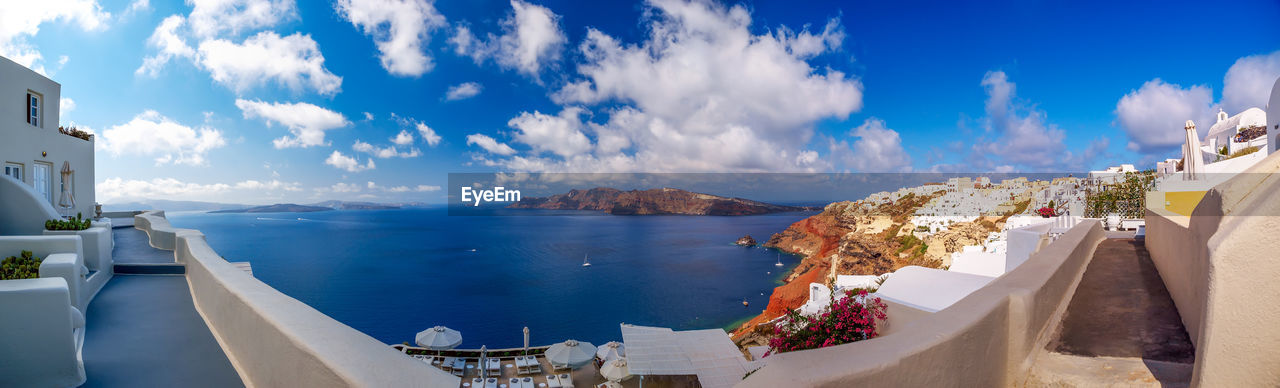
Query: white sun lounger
[553,381]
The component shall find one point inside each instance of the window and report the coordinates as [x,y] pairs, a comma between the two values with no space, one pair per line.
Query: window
[14,170]
[33,108]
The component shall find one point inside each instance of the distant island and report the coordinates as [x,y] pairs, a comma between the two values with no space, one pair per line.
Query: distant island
[653,202]
[344,205]
[277,208]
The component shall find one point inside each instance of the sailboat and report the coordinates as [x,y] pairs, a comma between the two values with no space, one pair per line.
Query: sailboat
[586,261]
[779,264]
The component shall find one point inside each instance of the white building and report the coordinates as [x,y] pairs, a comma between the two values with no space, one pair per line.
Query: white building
[1273,118]
[33,150]
[1223,133]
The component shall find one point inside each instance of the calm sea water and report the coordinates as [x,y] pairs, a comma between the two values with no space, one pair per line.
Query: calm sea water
[392,273]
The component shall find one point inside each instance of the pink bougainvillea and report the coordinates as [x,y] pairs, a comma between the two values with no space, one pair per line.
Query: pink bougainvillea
[849,319]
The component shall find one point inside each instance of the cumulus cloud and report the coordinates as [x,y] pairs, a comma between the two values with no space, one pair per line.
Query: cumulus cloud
[350,164]
[427,134]
[400,29]
[152,134]
[1248,82]
[490,145]
[403,138]
[560,134]
[305,121]
[877,149]
[682,100]
[210,18]
[531,37]
[168,45]
[384,152]
[21,20]
[293,61]
[425,188]
[1023,135]
[65,106]
[463,91]
[117,189]
[1154,115]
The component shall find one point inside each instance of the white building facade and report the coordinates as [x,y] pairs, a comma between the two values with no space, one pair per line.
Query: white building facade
[31,147]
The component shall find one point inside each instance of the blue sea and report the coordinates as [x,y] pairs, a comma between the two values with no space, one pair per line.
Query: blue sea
[393,273]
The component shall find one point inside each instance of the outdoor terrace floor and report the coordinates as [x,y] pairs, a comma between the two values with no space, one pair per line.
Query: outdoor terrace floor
[144,331]
[133,247]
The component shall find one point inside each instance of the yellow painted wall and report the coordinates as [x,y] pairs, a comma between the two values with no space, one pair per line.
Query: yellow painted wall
[1182,202]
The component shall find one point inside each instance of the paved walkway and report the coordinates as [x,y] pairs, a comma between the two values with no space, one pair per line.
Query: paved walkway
[132,247]
[144,331]
[1121,326]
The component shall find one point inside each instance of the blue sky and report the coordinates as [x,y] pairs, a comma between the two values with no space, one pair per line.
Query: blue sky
[262,101]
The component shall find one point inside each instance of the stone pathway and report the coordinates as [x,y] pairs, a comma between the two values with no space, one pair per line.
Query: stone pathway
[1121,327]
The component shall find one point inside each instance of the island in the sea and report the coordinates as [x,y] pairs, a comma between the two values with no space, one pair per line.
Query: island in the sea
[653,202]
[277,208]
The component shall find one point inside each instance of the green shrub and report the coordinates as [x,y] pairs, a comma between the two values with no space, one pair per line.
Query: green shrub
[76,223]
[25,266]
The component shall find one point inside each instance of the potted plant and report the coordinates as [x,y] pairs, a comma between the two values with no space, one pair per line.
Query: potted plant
[1046,212]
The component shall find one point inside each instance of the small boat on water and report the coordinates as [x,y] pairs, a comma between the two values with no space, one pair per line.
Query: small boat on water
[744,303]
[586,261]
[779,264]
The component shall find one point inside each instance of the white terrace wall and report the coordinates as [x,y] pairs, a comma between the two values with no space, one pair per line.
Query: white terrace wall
[274,340]
[987,339]
[1221,266]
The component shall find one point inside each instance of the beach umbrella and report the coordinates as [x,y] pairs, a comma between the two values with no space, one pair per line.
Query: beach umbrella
[526,340]
[438,338]
[67,200]
[610,351]
[571,353]
[1192,162]
[616,370]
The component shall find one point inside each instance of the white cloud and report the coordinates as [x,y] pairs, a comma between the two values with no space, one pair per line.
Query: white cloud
[428,135]
[113,190]
[400,28]
[560,135]
[210,18]
[682,100]
[65,106]
[137,6]
[293,61]
[1248,82]
[151,134]
[341,187]
[21,20]
[368,116]
[1154,115]
[463,91]
[307,122]
[350,164]
[425,188]
[531,37]
[878,149]
[403,138]
[169,45]
[384,152]
[490,145]
[1023,135]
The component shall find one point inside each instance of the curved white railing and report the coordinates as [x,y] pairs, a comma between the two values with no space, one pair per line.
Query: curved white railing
[274,340]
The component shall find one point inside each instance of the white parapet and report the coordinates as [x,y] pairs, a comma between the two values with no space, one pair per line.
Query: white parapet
[40,334]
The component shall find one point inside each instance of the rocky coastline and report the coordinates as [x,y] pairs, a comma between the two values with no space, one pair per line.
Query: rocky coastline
[653,202]
[856,240]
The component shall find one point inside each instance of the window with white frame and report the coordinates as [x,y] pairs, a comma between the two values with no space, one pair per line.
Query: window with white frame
[34,107]
[14,170]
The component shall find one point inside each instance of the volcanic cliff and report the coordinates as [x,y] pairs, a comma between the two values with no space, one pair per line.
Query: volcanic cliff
[653,201]
[858,240]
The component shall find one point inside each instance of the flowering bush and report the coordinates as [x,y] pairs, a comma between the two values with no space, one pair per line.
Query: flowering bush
[1046,212]
[849,319]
